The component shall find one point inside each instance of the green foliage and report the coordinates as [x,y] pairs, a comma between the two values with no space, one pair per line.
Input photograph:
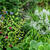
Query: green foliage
[23,25]
[14,48]
[39,46]
[9,4]
[12,27]
[0,48]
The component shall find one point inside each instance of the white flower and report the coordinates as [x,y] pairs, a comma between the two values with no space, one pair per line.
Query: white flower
[42,21]
[38,27]
[36,12]
[42,32]
[46,20]
[33,24]
[44,10]
[47,12]
[41,13]
[48,28]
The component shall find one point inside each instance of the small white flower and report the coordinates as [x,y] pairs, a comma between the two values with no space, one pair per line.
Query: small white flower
[42,21]
[33,24]
[48,28]
[42,32]
[44,10]
[46,20]
[41,13]
[36,12]
[38,27]
[47,12]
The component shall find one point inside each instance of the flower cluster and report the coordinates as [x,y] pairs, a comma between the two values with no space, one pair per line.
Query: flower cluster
[43,24]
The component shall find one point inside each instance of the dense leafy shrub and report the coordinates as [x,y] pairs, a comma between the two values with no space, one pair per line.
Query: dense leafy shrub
[11,30]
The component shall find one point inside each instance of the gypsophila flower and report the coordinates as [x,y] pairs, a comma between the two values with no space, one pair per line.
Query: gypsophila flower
[43,21]
[33,24]
[42,32]
[37,12]
[46,20]
[48,28]
[44,10]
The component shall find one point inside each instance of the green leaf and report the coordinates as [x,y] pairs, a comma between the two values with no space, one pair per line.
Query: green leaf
[2,0]
[46,46]
[0,48]
[40,43]
[9,48]
[33,44]
[31,48]
[41,47]
[15,48]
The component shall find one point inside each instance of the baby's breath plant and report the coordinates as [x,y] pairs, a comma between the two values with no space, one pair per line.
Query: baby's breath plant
[40,23]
